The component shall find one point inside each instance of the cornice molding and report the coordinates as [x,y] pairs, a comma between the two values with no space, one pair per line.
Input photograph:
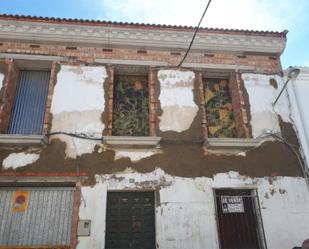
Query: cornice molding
[123,37]
[23,140]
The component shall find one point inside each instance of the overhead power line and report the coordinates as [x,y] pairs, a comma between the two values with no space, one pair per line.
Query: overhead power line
[195,32]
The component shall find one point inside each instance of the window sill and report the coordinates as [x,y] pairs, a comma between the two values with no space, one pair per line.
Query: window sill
[23,140]
[231,145]
[131,142]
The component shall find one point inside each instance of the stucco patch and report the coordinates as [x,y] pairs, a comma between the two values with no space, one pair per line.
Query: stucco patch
[176,99]
[77,106]
[16,160]
[79,91]
[135,155]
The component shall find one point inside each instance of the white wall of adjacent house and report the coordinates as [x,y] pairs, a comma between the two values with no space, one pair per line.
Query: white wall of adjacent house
[185,213]
[298,91]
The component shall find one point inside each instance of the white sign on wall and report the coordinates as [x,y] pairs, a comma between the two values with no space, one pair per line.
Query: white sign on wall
[232,204]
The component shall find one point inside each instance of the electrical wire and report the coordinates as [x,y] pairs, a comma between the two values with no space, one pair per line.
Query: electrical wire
[197,28]
[293,148]
[85,136]
[76,135]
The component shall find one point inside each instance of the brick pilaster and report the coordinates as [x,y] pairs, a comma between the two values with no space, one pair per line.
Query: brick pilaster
[75,216]
[7,94]
[239,106]
[152,101]
[200,87]
[51,85]
[110,97]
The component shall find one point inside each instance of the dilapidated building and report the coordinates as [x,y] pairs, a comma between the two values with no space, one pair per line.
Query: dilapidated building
[107,143]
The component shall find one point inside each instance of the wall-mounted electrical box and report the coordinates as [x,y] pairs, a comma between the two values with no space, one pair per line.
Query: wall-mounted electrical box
[84,227]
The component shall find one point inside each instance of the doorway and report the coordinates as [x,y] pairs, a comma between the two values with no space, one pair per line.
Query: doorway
[130,220]
[239,220]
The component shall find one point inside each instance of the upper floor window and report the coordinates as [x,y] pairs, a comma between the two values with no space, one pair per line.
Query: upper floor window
[218,106]
[28,110]
[130,106]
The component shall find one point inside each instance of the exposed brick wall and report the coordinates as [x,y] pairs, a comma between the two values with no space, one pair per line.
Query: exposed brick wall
[87,55]
[42,174]
[7,94]
[200,87]
[239,106]
[261,63]
[110,96]
[153,101]
[75,216]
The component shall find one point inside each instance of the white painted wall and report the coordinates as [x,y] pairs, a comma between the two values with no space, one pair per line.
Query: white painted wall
[261,97]
[176,99]
[77,106]
[298,91]
[185,217]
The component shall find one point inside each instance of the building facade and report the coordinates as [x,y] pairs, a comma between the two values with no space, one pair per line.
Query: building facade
[106,142]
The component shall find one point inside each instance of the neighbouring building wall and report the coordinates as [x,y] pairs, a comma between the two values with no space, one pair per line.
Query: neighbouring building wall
[185,207]
[298,91]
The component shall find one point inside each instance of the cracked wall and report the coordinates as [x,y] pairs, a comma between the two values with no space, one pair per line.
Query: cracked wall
[185,207]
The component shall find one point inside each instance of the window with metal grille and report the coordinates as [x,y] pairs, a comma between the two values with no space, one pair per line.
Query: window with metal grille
[36,217]
[218,107]
[130,222]
[130,106]
[27,116]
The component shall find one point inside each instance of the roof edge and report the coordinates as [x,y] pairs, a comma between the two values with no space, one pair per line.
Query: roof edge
[86,22]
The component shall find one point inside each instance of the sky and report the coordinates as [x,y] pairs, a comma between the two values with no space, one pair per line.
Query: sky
[270,15]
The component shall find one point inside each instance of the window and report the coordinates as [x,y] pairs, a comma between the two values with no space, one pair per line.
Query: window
[27,115]
[218,107]
[130,106]
[36,217]
[130,221]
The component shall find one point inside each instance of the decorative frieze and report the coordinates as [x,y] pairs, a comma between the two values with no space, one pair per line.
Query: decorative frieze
[133,37]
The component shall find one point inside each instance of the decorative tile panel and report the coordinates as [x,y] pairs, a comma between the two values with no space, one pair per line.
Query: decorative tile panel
[131,106]
[219,111]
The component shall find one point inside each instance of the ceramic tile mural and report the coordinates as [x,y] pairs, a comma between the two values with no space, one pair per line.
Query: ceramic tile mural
[131,106]
[219,112]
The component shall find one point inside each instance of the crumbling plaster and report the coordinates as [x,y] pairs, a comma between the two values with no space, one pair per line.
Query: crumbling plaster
[262,94]
[16,160]
[135,155]
[176,100]
[185,209]
[77,106]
